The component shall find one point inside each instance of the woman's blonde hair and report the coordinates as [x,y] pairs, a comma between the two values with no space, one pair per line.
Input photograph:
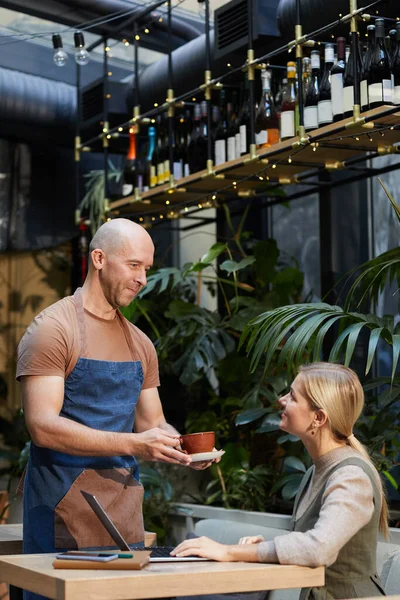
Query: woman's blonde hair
[337,390]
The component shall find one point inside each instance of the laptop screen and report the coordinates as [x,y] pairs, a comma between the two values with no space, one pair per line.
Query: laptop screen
[160,553]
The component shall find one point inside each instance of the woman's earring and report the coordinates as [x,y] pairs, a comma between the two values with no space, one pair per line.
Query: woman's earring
[313,428]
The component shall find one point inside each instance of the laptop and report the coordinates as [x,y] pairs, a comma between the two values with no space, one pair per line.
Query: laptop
[158,553]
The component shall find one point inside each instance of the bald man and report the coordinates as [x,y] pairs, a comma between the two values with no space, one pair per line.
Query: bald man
[89,379]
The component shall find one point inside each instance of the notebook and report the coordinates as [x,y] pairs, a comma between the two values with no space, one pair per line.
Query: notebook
[158,553]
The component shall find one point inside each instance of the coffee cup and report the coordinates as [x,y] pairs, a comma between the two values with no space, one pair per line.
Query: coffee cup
[194,443]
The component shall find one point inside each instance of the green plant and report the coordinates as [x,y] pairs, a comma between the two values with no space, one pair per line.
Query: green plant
[93,201]
[290,335]
[200,361]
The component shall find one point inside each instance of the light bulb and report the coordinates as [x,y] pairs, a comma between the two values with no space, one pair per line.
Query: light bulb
[82,57]
[60,57]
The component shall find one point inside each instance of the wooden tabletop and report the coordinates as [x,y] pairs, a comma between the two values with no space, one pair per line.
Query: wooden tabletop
[158,580]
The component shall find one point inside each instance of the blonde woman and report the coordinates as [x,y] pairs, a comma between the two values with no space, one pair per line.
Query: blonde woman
[340,506]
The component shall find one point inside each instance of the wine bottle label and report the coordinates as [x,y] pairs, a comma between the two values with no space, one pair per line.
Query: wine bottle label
[325,114]
[145,188]
[315,60]
[287,124]
[160,173]
[337,93]
[396,94]
[364,94]
[177,170]
[231,148]
[238,142]
[153,176]
[262,138]
[387,92]
[140,182]
[243,139]
[220,152]
[348,98]
[127,188]
[167,171]
[186,170]
[375,92]
[311,117]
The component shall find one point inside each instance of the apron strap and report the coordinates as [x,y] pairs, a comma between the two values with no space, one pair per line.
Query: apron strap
[80,313]
[127,333]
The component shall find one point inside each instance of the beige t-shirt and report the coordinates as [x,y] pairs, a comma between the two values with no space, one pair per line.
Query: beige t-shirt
[52,343]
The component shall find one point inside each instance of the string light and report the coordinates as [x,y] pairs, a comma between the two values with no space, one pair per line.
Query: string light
[289,159]
[155,104]
[60,57]
[261,178]
[214,197]
[147,30]
[81,54]
[120,129]
[161,216]
[167,202]
[200,205]
[137,37]
[153,218]
[140,219]
[186,209]
[274,166]
[126,43]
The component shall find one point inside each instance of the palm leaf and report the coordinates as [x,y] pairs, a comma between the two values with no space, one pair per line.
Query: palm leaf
[303,325]
[161,280]
[392,200]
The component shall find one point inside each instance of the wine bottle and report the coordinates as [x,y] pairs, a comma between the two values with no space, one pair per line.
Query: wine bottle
[130,164]
[392,45]
[365,67]
[154,163]
[160,151]
[279,96]
[337,74]
[266,122]
[379,74]
[306,74]
[396,68]
[348,80]
[325,114]
[236,105]
[148,173]
[231,135]
[312,94]
[289,103]
[221,132]
[244,119]
[167,166]
[177,152]
[186,134]
[196,155]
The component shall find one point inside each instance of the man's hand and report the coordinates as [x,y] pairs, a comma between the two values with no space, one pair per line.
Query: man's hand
[204,464]
[158,444]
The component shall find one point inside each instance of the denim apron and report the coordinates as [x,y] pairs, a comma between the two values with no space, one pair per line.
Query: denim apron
[101,395]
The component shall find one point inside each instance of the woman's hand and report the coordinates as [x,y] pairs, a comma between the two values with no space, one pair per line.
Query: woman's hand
[251,539]
[204,547]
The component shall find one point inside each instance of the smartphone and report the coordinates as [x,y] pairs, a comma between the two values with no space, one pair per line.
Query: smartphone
[95,556]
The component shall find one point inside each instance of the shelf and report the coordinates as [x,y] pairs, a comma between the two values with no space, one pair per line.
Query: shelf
[293,161]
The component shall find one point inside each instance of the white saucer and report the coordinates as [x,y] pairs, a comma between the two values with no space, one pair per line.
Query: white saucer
[206,455]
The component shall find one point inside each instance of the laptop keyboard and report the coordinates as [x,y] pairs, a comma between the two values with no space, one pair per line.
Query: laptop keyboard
[159,551]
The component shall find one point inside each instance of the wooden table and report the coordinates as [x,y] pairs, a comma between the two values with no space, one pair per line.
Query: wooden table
[11,539]
[157,580]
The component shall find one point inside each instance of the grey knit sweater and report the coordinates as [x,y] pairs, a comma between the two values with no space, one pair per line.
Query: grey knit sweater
[347,506]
